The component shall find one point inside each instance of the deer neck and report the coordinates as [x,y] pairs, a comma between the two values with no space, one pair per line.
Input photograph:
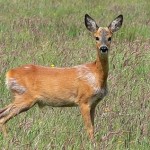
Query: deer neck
[102,67]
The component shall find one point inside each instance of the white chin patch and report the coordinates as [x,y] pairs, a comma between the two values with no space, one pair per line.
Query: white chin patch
[102,52]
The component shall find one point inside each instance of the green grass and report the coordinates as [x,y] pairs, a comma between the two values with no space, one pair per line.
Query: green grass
[53,32]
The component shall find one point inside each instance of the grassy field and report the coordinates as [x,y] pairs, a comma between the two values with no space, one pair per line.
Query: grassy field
[50,32]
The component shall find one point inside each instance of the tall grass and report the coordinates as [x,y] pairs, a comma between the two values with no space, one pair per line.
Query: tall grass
[52,32]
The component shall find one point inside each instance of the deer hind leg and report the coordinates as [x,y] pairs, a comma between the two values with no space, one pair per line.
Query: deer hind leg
[4,112]
[19,105]
[88,120]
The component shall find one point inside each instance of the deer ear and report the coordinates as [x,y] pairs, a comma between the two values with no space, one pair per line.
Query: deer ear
[116,24]
[90,23]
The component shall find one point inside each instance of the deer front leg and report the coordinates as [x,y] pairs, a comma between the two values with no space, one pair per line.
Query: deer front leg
[92,114]
[88,120]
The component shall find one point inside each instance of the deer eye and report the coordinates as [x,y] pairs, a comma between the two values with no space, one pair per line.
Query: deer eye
[109,39]
[97,38]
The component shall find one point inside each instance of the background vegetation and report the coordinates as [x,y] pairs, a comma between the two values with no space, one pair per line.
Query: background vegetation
[52,32]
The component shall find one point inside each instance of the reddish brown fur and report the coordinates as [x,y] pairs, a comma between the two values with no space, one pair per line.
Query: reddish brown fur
[82,86]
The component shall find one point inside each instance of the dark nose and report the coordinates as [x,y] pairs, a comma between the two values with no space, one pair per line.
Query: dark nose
[104,49]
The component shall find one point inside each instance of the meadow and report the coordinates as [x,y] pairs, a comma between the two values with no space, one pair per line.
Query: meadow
[52,33]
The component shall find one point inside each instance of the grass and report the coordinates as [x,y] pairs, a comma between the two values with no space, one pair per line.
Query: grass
[53,32]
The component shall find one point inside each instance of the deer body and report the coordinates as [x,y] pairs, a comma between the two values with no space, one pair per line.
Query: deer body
[46,87]
[84,85]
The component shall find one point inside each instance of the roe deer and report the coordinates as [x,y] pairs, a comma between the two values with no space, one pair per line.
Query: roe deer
[83,85]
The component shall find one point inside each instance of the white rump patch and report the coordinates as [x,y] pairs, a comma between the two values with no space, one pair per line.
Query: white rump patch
[14,85]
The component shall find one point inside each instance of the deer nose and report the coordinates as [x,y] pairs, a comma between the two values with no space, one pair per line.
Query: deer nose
[104,49]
